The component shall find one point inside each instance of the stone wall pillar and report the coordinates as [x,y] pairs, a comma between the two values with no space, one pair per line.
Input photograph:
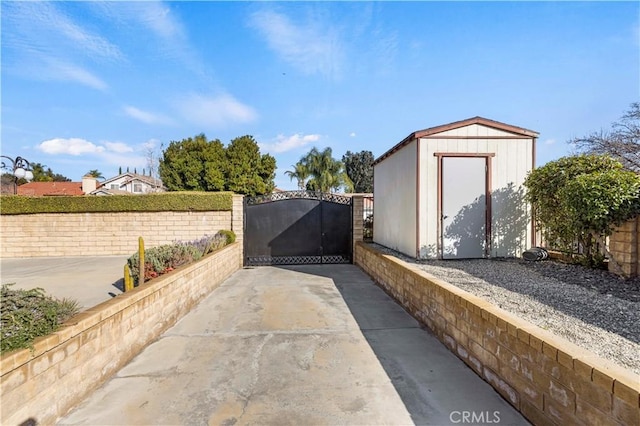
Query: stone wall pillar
[237,223]
[358,219]
[624,248]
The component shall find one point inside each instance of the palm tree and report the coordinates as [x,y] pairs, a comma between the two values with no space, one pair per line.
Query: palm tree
[95,174]
[300,173]
[326,172]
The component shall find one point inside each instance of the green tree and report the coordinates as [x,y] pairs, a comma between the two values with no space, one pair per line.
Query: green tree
[247,171]
[193,164]
[42,173]
[582,197]
[60,178]
[359,168]
[622,142]
[326,173]
[300,173]
[95,174]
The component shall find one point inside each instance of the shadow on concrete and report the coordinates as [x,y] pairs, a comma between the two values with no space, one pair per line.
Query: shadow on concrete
[435,386]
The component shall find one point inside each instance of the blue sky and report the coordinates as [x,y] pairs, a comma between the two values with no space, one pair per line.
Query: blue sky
[95,85]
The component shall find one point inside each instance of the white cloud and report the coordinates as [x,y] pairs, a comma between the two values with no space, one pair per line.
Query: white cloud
[118,147]
[91,44]
[69,72]
[145,116]
[79,146]
[311,47]
[71,146]
[217,111]
[46,44]
[385,51]
[43,27]
[154,15]
[87,152]
[157,19]
[287,143]
[550,142]
[352,134]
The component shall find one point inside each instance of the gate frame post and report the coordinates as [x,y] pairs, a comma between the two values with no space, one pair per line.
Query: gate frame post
[357,225]
[238,222]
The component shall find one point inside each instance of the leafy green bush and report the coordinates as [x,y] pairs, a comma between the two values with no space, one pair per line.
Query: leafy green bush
[229,235]
[367,227]
[582,197]
[28,314]
[167,257]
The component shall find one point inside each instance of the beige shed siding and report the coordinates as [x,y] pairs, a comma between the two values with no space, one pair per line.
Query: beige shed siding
[475,130]
[394,222]
[511,222]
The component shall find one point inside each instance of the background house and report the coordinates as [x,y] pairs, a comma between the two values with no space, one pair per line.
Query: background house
[129,183]
[455,191]
[123,184]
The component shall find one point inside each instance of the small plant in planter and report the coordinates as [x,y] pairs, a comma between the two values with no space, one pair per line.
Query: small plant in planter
[28,314]
[230,235]
[166,258]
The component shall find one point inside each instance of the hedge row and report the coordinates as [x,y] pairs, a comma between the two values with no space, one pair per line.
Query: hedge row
[164,201]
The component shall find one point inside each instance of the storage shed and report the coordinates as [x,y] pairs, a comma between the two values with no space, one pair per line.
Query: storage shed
[455,191]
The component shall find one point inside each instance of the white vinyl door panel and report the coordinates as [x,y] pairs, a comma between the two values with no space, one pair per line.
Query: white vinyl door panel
[464,207]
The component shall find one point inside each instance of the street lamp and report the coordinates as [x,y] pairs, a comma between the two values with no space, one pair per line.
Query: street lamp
[20,169]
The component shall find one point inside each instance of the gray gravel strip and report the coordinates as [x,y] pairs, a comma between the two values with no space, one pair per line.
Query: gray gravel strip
[593,309]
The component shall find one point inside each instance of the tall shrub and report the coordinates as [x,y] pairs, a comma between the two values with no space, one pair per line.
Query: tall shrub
[582,197]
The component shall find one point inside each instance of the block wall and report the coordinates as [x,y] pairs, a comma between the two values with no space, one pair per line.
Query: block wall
[624,249]
[40,386]
[104,234]
[358,218]
[548,379]
[237,223]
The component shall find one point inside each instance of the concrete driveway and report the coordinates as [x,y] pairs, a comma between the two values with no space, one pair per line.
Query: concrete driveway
[279,345]
[89,280]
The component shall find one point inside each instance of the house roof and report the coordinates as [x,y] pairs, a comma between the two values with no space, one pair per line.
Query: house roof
[516,131]
[134,177]
[37,189]
[107,191]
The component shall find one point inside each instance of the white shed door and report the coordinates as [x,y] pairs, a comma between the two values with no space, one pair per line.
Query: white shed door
[464,207]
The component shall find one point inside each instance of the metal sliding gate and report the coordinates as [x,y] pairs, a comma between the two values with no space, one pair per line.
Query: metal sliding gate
[297,227]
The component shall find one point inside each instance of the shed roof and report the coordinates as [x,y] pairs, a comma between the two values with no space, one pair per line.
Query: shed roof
[517,131]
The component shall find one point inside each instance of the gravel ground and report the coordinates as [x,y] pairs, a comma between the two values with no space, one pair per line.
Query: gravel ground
[593,309]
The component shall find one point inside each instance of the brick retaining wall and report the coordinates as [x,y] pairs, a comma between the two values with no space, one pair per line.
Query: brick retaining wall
[101,234]
[548,379]
[106,234]
[64,367]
